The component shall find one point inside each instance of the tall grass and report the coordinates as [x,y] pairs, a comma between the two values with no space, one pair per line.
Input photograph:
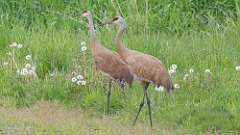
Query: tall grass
[192,34]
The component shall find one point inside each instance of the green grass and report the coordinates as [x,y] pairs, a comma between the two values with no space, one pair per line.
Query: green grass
[52,31]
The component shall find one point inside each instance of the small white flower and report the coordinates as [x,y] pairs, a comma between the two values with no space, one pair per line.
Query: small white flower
[191,70]
[74,79]
[83,48]
[19,46]
[83,82]
[28,57]
[79,82]
[79,77]
[18,72]
[176,86]
[173,66]
[5,63]
[13,45]
[83,43]
[207,71]
[172,72]
[52,74]
[185,76]
[74,73]
[159,89]
[24,72]
[237,68]
[28,66]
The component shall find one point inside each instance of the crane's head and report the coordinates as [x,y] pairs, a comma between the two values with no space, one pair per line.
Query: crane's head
[119,21]
[85,13]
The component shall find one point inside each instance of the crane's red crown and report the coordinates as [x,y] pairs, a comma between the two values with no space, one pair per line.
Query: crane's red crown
[84,12]
[114,18]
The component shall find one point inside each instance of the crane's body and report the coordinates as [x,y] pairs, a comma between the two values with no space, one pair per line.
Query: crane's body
[144,67]
[108,62]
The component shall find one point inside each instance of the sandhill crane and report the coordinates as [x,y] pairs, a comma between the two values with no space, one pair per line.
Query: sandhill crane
[108,62]
[144,67]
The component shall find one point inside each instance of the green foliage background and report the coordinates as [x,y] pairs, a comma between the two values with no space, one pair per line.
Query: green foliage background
[199,34]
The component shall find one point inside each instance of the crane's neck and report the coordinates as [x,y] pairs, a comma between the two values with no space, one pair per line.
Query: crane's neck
[120,47]
[93,36]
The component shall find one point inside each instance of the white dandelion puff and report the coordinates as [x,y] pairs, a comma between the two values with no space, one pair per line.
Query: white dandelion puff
[185,76]
[172,72]
[237,68]
[173,66]
[79,82]
[207,71]
[79,77]
[83,82]
[13,45]
[52,74]
[159,89]
[191,70]
[19,46]
[83,48]
[24,72]
[176,86]
[28,66]
[28,57]
[83,43]
[74,73]
[74,79]
[18,72]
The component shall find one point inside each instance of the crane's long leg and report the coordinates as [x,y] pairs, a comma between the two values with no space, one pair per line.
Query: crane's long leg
[145,85]
[139,110]
[109,94]
[149,106]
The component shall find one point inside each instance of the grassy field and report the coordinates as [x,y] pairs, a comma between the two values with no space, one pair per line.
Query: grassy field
[52,118]
[196,36]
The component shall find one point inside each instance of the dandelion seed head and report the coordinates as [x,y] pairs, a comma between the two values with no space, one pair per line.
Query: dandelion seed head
[185,76]
[79,77]
[13,45]
[159,89]
[24,72]
[74,79]
[172,72]
[79,82]
[19,46]
[191,70]
[83,43]
[28,57]
[52,74]
[83,82]
[83,48]
[28,66]
[176,86]
[173,66]
[18,72]
[237,68]
[207,71]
